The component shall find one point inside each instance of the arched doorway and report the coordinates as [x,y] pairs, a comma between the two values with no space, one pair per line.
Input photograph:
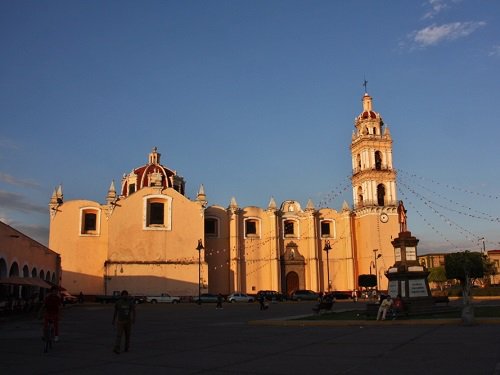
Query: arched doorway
[292,282]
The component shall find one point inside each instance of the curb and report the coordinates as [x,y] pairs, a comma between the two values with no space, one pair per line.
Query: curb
[375,323]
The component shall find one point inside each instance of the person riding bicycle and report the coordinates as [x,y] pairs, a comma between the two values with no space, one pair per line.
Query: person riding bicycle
[51,307]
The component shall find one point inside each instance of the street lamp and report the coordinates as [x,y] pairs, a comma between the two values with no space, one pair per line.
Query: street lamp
[375,264]
[327,248]
[199,248]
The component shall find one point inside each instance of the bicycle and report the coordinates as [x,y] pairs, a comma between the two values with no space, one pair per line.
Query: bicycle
[48,336]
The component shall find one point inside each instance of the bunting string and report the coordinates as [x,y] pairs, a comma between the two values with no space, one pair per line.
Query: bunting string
[408,185]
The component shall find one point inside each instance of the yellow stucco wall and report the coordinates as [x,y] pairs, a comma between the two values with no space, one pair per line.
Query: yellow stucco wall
[127,254]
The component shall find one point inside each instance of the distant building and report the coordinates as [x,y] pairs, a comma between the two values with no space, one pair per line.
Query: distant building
[144,237]
[494,256]
[27,268]
[432,260]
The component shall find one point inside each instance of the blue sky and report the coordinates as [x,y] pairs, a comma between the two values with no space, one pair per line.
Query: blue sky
[253,99]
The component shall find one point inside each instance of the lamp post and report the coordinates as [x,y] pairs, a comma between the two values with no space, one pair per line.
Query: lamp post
[375,251]
[484,246]
[199,248]
[327,249]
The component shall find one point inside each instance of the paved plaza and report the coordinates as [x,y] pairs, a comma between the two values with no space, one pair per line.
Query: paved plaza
[241,339]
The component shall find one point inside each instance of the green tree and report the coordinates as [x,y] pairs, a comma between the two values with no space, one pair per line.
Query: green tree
[466,267]
[437,275]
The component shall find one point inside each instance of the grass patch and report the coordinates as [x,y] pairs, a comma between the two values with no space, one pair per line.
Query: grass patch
[479,312]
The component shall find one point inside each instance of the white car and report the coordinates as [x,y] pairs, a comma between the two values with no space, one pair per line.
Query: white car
[164,297]
[239,297]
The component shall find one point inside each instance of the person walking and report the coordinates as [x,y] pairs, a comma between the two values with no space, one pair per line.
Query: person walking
[123,317]
[262,302]
[219,301]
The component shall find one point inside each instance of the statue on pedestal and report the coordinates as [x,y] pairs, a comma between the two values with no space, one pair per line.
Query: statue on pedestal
[402,217]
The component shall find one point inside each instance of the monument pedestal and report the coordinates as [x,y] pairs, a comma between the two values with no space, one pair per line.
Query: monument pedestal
[407,277]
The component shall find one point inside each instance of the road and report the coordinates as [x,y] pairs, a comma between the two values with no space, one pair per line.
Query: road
[191,339]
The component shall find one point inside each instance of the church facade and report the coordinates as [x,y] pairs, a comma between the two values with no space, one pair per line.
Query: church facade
[144,237]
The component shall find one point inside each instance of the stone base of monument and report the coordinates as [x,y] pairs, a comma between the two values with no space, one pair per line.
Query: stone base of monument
[411,284]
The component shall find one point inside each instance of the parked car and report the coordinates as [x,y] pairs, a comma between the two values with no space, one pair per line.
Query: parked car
[109,298]
[240,297]
[163,298]
[340,295]
[304,295]
[68,298]
[270,295]
[206,298]
[139,298]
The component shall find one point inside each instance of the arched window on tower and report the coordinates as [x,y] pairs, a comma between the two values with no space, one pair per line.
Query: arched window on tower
[358,161]
[380,194]
[360,197]
[378,160]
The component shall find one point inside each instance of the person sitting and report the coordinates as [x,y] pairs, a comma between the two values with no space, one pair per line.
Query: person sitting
[398,307]
[385,305]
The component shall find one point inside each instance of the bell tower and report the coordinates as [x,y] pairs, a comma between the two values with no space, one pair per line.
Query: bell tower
[374,193]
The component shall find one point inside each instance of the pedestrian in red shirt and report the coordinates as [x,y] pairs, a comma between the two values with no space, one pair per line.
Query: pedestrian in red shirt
[51,308]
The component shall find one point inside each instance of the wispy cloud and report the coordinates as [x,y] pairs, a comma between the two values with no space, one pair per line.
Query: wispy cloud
[37,232]
[18,202]
[8,144]
[436,7]
[11,180]
[435,34]
[495,51]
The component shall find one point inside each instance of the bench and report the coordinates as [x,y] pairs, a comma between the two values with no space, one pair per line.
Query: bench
[441,299]
[326,305]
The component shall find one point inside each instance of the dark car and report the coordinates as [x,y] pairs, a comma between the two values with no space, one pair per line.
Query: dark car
[340,295]
[304,295]
[68,298]
[206,298]
[270,295]
[139,298]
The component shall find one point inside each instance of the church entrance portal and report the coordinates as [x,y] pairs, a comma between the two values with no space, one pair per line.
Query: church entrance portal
[292,282]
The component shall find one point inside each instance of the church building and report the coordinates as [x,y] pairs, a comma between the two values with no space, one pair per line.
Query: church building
[144,237]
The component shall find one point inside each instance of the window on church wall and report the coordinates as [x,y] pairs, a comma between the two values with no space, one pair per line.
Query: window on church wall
[252,228]
[157,212]
[289,228]
[358,161]
[89,221]
[378,160]
[211,227]
[131,188]
[327,229]
[380,194]
[360,197]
